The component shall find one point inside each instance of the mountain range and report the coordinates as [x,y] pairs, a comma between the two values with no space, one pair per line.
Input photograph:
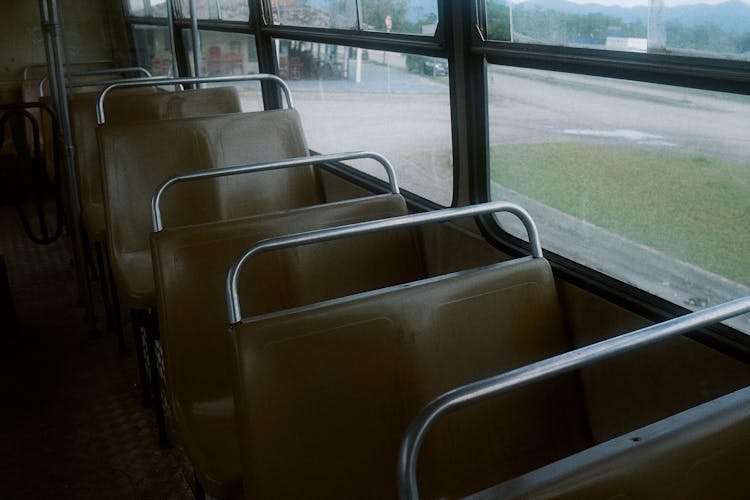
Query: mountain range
[732,16]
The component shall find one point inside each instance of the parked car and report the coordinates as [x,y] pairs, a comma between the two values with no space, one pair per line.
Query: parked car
[433,66]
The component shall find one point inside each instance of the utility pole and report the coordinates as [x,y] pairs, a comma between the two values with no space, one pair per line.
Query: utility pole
[510,18]
[657,33]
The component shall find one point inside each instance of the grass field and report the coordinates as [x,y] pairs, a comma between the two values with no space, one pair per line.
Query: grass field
[691,207]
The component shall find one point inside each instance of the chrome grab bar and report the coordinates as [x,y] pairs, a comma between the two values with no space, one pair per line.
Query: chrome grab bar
[100,83]
[156,218]
[100,119]
[97,62]
[131,69]
[541,370]
[376,226]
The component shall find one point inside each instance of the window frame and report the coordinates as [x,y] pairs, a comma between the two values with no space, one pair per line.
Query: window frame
[714,74]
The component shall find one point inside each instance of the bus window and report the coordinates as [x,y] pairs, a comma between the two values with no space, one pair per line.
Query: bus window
[352,99]
[137,7]
[317,14]
[147,8]
[227,54]
[647,183]
[710,29]
[226,10]
[412,16]
[408,16]
[152,49]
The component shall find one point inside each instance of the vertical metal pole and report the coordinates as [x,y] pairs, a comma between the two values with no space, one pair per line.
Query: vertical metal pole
[510,18]
[56,71]
[657,35]
[172,49]
[358,67]
[196,40]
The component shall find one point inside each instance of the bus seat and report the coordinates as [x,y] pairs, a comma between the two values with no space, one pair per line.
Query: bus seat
[137,157]
[263,137]
[691,454]
[126,106]
[190,265]
[324,393]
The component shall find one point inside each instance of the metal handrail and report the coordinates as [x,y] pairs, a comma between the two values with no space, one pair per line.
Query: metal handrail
[370,227]
[541,370]
[28,67]
[100,119]
[102,83]
[156,218]
[130,69]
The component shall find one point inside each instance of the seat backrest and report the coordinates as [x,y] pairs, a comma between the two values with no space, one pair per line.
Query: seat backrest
[136,158]
[83,127]
[191,262]
[698,453]
[324,393]
[141,104]
[261,137]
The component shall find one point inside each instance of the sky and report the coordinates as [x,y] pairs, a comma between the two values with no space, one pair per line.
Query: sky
[644,3]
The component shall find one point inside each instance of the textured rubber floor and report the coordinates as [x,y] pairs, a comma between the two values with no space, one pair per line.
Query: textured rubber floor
[72,424]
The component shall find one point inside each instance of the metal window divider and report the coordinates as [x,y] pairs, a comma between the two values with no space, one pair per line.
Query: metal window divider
[170,30]
[196,40]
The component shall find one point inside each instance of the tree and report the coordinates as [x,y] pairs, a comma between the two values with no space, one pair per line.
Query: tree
[375,11]
[498,20]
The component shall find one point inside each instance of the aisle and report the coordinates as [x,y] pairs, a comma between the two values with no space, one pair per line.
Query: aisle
[72,424]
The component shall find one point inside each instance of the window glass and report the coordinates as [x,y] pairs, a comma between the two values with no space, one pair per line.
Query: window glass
[227,10]
[225,54]
[136,7]
[647,183]
[394,104]
[693,27]
[315,13]
[710,28]
[152,49]
[234,10]
[407,16]
[158,8]
[392,16]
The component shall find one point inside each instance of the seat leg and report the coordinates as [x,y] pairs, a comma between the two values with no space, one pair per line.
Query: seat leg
[93,272]
[199,492]
[103,285]
[152,335]
[138,325]
[7,311]
[115,301]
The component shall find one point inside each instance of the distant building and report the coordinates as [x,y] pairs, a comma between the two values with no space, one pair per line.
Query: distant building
[628,44]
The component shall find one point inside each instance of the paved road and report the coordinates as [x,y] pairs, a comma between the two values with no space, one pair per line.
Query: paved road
[535,106]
